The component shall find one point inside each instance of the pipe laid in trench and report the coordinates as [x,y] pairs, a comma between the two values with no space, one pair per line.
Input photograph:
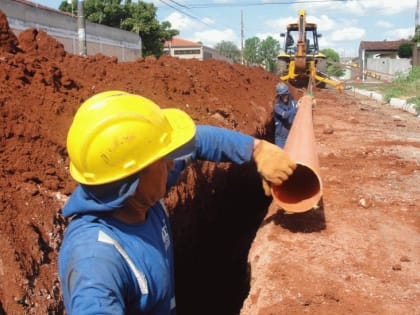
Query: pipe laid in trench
[303,189]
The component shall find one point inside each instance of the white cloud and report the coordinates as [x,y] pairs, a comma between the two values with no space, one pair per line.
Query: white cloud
[388,7]
[399,33]
[347,34]
[212,37]
[324,22]
[343,24]
[182,22]
[196,31]
[207,20]
[325,43]
[280,24]
[384,24]
[179,21]
[359,7]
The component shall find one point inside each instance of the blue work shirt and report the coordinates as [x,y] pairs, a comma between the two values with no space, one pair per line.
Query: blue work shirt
[110,267]
[283,115]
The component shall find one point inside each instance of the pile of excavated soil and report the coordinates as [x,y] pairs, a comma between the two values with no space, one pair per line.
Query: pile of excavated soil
[41,86]
[235,251]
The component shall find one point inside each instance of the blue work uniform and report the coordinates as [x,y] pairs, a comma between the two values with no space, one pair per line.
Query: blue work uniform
[283,115]
[110,267]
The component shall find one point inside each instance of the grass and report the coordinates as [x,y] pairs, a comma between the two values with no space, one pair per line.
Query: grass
[405,87]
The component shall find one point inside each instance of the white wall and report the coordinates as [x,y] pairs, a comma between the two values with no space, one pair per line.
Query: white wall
[109,41]
[389,65]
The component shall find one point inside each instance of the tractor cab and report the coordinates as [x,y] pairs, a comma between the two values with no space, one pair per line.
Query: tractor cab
[310,39]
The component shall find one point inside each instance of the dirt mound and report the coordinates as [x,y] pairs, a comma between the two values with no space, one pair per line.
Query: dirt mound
[8,40]
[235,252]
[40,89]
[39,43]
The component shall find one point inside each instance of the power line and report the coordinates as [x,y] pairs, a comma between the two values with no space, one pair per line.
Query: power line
[179,4]
[247,4]
[181,7]
[183,12]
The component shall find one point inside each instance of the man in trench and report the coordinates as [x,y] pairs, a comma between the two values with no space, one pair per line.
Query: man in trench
[284,112]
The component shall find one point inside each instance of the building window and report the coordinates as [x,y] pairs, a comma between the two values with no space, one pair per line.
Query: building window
[187,52]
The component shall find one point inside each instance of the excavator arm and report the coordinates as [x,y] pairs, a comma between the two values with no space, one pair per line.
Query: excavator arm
[302,62]
[300,55]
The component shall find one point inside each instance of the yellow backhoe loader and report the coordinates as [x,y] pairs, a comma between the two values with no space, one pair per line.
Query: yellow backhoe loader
[301,62]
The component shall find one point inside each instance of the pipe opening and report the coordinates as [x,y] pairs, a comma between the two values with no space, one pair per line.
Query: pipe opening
[300,192]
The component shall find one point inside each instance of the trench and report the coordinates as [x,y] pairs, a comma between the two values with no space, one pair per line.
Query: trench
[214,226]
[213,233]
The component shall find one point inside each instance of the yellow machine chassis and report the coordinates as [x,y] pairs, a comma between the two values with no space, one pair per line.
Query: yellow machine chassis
[313,76]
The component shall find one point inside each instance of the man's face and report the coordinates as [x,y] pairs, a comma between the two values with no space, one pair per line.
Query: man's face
[152,185]
[284,98]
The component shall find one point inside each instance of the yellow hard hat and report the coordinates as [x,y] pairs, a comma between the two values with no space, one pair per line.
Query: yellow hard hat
[115,134]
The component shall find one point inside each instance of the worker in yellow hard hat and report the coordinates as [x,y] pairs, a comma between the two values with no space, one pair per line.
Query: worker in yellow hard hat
[125,152]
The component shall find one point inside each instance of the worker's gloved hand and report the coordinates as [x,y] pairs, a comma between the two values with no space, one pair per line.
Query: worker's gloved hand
[273,164]
[266,187]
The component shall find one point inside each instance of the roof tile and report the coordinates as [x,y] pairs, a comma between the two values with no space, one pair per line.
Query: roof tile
[178,42]
[383,45]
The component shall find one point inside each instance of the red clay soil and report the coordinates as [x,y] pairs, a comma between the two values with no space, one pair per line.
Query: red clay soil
[236,252]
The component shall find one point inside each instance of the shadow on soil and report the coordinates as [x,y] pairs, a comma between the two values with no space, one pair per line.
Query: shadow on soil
[213,232]
[214,226]
[306,222]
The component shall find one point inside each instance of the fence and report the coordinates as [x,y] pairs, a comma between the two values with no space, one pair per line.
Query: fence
[109,41]
[387,68]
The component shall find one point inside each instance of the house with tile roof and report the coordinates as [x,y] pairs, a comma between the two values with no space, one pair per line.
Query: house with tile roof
[185,49]
[380,59]
[381,49]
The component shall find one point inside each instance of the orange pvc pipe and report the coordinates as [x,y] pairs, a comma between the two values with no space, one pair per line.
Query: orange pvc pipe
[303,189]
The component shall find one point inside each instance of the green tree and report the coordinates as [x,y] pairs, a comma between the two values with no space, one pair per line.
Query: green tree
[416,37]
[268,52]
[143,21]
[229,50]
[139,17]
[252,51]
[405,50]
[333,69]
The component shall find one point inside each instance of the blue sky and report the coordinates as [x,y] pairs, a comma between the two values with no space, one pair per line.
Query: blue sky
[343,24]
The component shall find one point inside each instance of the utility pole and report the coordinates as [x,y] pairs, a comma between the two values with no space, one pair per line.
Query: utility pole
[242,38]
[81,28]
[416,47]
[70,2]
